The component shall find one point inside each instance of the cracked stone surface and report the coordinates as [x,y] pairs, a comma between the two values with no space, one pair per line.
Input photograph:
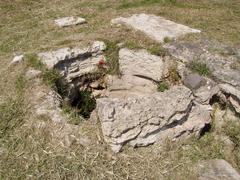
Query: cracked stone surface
[69,21]
[140,71]
[141,121]
[141,63]
[155,27]
[215,169]
[74,62]
[201,51]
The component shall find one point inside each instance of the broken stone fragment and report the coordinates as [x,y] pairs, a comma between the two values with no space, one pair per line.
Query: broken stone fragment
[206,92]
[70,55]
[215,169]
[155,27]
[98,47]
[233,95]
[142,121]
[194,81]
[69,21]
[17,59]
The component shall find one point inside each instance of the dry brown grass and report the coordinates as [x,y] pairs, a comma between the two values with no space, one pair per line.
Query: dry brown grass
[27,152]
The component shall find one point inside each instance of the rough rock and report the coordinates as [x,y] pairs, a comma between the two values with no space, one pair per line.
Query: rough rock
[74,62]
[233,95]
[69,21]
[216,169]
[155,27]
[52,58]
[17,59]
[141,63]
[201,51]
[98,47]
[129,86]
[140,72]
[144,120]
[193,81]
[206,92]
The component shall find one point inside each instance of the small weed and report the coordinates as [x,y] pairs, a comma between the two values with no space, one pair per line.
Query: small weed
[232,130]
[167,40]
[158,50]
[201,68]
[34,62]
[11,115]
[50,77]
[112,57]
[20,84]
[174,77]
[163,86]
[204,148]
[72,113]
[235,66]
[126,4]
[132,45]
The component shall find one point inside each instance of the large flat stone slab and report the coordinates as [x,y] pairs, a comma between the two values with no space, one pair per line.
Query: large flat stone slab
[141,121]
[140,72]
[155,27]
[141,63]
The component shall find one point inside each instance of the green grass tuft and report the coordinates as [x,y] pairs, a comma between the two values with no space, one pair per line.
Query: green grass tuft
[157,50]
[132,45]
[200,68]
[162,86]
[112,53]
[33,61]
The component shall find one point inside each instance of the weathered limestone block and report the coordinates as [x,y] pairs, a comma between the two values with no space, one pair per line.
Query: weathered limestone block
[74,62]
[141,63]
[155,27]
[140,73]
[141,121]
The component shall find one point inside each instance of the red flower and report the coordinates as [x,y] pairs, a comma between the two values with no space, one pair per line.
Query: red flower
[101,62]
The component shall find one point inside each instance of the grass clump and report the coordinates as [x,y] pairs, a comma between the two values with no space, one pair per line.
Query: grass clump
[34,62]
[163,86]
[136,3]
[72,113]
[112,57]
[167,40]
[173,75]
[204,148]
[200,68]
[51,77]
[158,50]
[132,45]
[232,131]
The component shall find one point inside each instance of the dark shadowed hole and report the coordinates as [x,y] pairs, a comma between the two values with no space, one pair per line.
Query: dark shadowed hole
[206,129]
[84,102]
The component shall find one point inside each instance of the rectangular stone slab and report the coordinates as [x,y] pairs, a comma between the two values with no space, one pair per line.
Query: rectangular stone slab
[155,27]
